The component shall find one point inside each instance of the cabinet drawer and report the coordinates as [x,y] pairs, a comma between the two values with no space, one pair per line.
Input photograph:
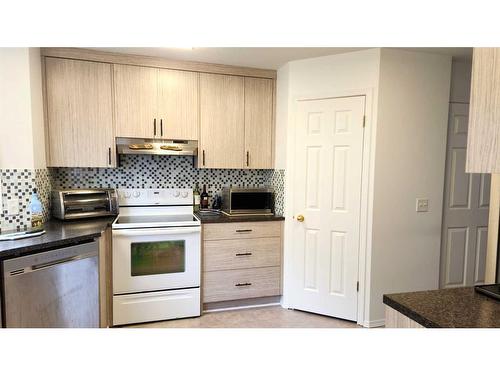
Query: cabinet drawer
[241,230]
[238,284]
[236,254]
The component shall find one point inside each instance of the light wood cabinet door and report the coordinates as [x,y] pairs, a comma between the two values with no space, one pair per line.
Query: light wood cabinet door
[483,139]
[136,101]
[231,285]
[258,123]
[222,123]
[79,113]
[178,109]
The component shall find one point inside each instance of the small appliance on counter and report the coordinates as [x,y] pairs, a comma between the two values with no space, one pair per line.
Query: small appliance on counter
[247,201]
[84,203]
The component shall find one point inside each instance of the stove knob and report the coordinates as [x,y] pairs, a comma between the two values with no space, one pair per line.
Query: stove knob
[177,193]
[127,194]
[184,194]
[137,194]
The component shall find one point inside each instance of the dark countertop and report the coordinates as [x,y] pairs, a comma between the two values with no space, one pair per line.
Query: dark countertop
[447,308]
[222,218]
[58,233]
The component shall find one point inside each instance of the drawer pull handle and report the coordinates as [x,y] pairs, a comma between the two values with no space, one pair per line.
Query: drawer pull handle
[243,230]
[243,284]
[242,254]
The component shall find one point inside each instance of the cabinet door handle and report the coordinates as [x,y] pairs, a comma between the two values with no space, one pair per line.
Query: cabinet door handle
[243,284]
[154,127]
[248,158]
[109,155]
[161,127]
[242,254]
[243,230]
[203,157]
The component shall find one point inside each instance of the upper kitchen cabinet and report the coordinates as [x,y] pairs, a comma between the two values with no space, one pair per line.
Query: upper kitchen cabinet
[136,101]
[155,103]
[178,104]
[258,123]
[222,121]
[78,99]
[483,141]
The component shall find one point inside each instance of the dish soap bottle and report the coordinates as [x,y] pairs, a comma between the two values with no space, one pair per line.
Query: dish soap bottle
[196,198]
[36,209]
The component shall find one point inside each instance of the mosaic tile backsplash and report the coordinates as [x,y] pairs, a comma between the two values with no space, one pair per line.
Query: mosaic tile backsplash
[18,184]
[153,171]
[135,171]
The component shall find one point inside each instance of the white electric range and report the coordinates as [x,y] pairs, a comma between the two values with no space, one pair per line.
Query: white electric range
[156,256]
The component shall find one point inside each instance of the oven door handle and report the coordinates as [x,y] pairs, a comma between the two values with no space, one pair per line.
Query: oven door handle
[155,232]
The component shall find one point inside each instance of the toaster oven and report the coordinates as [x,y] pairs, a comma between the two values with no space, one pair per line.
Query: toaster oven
[248,201]
[84,203]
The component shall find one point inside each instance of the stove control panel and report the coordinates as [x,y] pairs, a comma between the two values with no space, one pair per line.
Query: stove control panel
[155,197]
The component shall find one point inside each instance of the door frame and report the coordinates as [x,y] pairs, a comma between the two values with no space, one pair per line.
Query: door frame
[366,214]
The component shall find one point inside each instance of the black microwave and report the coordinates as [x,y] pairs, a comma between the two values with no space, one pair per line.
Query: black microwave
[248,201]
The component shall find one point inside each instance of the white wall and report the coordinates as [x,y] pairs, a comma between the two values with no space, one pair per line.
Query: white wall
[460,81]
[37,120]
[325,75]
[414,91]
[21,113]
[282,98]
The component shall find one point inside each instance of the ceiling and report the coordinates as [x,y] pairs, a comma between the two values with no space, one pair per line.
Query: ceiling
[260,57]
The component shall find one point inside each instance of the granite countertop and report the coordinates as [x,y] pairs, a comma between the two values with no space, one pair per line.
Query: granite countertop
[58,233]
[447,308]
[222,218]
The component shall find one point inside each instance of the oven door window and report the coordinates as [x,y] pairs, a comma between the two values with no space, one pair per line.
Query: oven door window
[156,258]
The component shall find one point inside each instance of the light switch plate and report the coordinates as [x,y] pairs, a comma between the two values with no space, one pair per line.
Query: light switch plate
[13,207]
[422,205]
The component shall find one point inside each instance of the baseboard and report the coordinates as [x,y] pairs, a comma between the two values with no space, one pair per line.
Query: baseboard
[374,323]
[241,304]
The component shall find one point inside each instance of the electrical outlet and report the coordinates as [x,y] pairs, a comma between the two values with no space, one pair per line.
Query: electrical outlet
[422,205]
[13,207]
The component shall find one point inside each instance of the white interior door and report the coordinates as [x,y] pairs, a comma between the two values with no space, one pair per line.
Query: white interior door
[327,191]
[465,211]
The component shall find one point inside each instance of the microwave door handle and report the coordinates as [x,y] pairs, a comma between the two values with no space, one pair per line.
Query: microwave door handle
[155,232]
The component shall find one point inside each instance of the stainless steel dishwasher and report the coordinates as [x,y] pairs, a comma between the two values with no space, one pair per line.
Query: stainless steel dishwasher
[57,288]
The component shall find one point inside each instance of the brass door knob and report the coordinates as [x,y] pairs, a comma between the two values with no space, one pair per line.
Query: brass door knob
[300,218]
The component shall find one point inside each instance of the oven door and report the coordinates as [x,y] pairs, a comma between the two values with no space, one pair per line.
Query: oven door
[155,259]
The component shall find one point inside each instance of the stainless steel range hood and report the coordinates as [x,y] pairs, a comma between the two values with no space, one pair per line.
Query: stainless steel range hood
[136,146]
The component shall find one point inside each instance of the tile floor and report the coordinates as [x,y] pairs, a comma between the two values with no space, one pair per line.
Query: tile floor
[260,317]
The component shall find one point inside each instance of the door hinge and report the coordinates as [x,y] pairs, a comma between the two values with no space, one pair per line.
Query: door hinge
[357,286]
[364,121]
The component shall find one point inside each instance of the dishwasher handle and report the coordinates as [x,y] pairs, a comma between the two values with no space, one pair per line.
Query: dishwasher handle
[40,261]
[41,266]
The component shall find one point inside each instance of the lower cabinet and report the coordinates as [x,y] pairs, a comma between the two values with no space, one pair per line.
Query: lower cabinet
[394,319]
[241,268]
